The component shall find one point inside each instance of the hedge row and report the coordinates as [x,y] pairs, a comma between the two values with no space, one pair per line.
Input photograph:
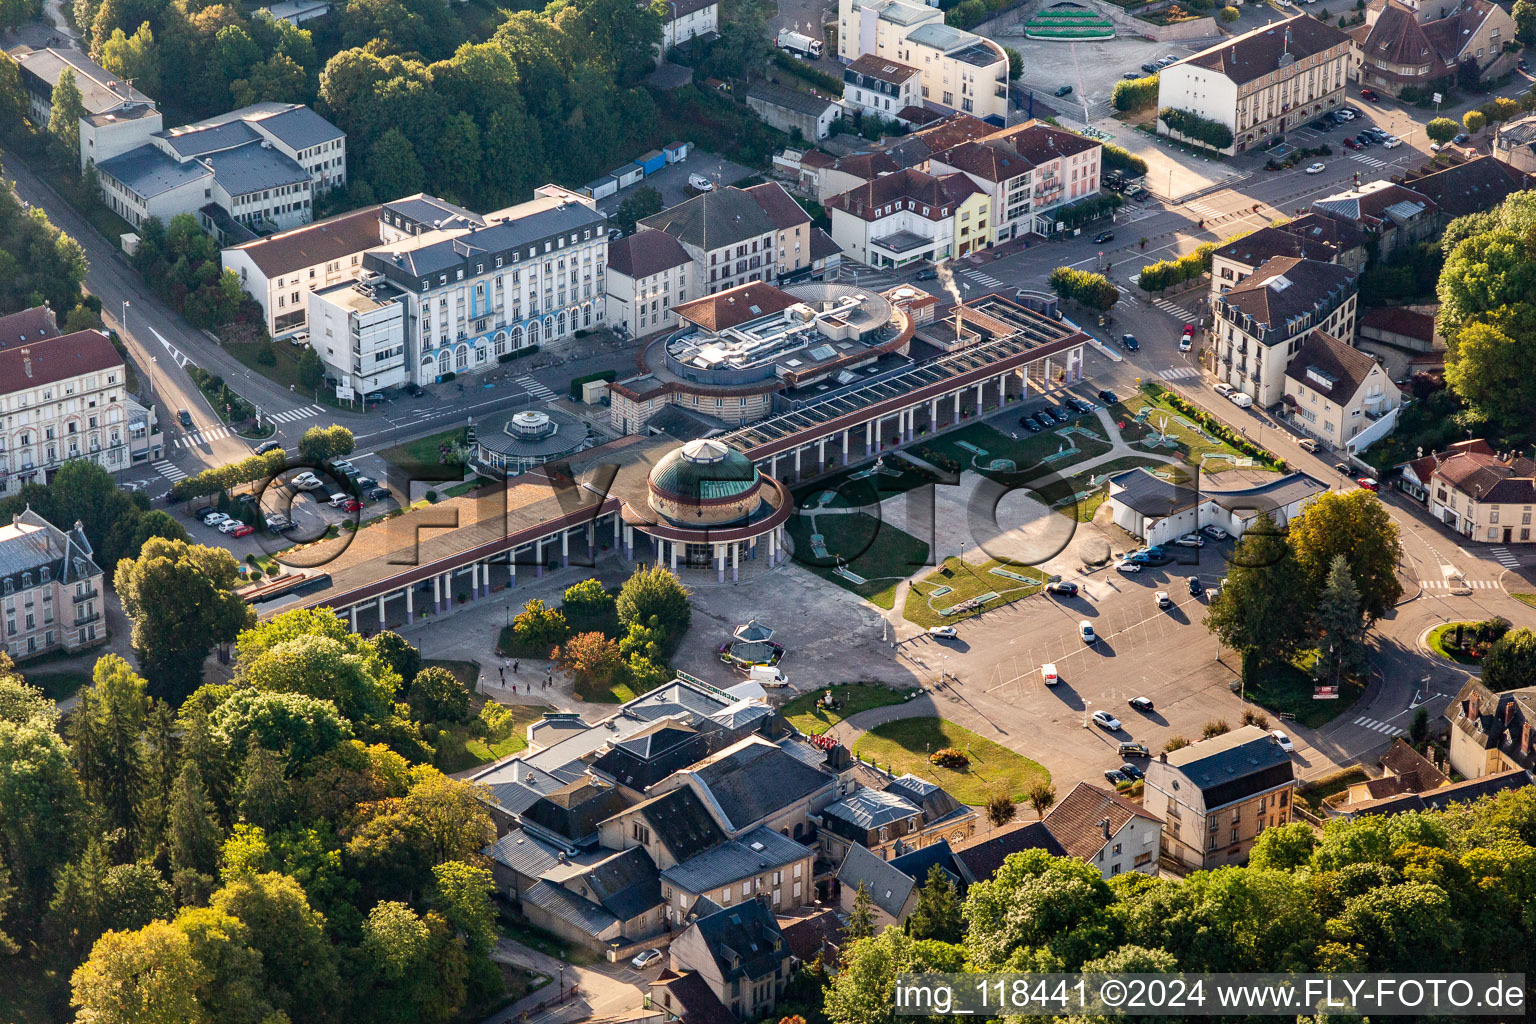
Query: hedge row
[1116,158]
[1083,286]
[1190,125]
[222,478]
[1135,93]
[1167,273]
[1069,33]
[1217,429]
[577,382]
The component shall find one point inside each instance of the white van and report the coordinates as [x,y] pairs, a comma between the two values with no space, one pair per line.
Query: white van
[767,675]
[1224,389]
[1241,400]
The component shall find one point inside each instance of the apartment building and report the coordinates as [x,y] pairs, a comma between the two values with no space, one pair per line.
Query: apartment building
[1491,731]
[532,274]
[909,216]
[52,588]
[1236,261]
[64,397]
[875,85]
[1333,391]
[117,117]
[280,271]
[728,236]
[961,71]
[1217,795]
[1480,493]
[682,20]
[648,273]
[1407,44]
[792,230]
[1258,325]
[1386,213]
[1103,828]
[761,865]
[1261,83]
[1028,172]
[358,330]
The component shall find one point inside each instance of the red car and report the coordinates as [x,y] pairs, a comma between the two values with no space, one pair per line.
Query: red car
[352,506]
[243,530]
[1352,144]
[1369,483]
[1368,94]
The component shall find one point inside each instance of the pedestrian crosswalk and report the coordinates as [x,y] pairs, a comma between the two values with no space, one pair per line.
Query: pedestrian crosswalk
[1178,373]
[1172,308]
[1385,728]
[1505,557]
[1203,210]
[169,470]
[1458,584]
[296,414]
[1369,161]
[535,388]
[983,279]
[204,436]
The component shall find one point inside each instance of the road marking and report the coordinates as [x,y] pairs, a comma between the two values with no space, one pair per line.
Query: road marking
[205,435]
[535,388]
[1172,308]
[168,470]
[178,356]
[1178,373]
[296,414]
[1381,727]
[985,280]
[1455,584]
[1505,557]
[1369,161]
[1204,210]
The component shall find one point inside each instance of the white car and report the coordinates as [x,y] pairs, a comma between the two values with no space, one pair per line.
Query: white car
[299,340]
[699,183]
[1344,115]
[645,959]
[1317,168]
[230,525]
[1126,566]
[1105,720]
[1190,540]
[341,465]
[215,518]
[946,632]
[1162,599]
[1185,342]
[1214,532]
[1048,673]
[1240,399]
[1392,143]
[1284,740]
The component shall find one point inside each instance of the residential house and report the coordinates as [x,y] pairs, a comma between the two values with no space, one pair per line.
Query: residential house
[1473,36]
[961,71]
[1236,260]
[812,933]
[648,273]
[1262,83]
[1028,171]
[754,783]
[673,828]
[117,116]
[1347,240]
[53,592]
[890,819]
[1468,187]
[790,110]
[687,998]
[612,900]
[1333,391]
[65,397]
[1465,792]
[534,273]
[1215,796]
[892,884]
[1390,215]
[280,271]
[1479,493]
[760,865]
[1404,772]
[1515,143]
[876,85]
[909,216]
[1107,830]
[980,859]
[682,20]
[791,229]
[739,954]
[823,179]
[1393,52]
[825,254]
[1259,324]
[728,235]
[1491,732]
[358,329]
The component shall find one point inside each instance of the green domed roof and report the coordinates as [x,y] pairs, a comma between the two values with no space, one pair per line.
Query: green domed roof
[704,470]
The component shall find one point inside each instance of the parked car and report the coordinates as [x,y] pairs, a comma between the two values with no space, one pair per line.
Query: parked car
[1080,405]
[243,530]
[699,183]
[1344,115]
[1342,469]
[1046,417]
[1113,775]
[1103,236]
[1241,400]
[269,446]
[1062,587]
[1195,588]
[927,275]
[1127,566]
[1131,76]
[1150,67]
[1189,540]
[1105,720]
[1214,532]
[1048,674]
[1028,423]
[1130,343]
[215,518]
[1368,94]
[1393,142]
[1134,749]
[1163,600]
[1369,483]
[1352,144]
[1284,740]
[341,465]
[277,523]
[1222,388]
[1154,552]
[1461,138]
[363,483]
[1108,397]
[943,632]
[1308,444]
[1132,772]
[230,525]
[352,505]
[1085,630]
[206,510]
[1063,90]
[415,390]
[377,493]
[646,959]
[1317,168]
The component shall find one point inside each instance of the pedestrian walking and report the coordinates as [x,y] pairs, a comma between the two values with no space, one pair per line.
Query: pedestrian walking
[503,676]
[514,667]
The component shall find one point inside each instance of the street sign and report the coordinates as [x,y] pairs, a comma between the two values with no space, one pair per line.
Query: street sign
[344,393]
[1436,98]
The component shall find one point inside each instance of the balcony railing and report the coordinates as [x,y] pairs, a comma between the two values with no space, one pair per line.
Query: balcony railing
[93,592]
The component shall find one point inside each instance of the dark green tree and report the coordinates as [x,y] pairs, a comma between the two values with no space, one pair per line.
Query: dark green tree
[937,914]
[436,695]
[65,113]
[105,735]
[1339,626]
[1510,663]
[861,919]
[311,370]
[1256,612]
[194,830]
[265,798]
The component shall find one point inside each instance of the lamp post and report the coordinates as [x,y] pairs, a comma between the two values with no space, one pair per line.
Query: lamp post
[562,983]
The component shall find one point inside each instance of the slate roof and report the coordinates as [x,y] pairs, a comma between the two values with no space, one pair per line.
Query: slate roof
[892,71]
[982,860]
[1255,54]
[1277,493]
[567,906]
[1234,765]
[1284,287]
[682,8]
[1151,495]
[430,211]
[1326,355]
[680,820]
[757,851]
[929,797]
[725,216]
[316,243]
[575,809]
[253,168]
[625,884]
[754,778]
[889,887]
[1443,797]
[744,941]
[867,809]
[514,228]
[696,1002]
[1479,184]
[1319,227]
[1253,249]
[100,89]
[29,542]
[33,324]
[1491,719]
[936,194]
[148,172]
[61,357]
[783,96]
[200,139]
[643,759]
[645,254]
[918,863]
[779,206]
[1075,822]
[735,306]
[822,245]
[524,853]
[299,127]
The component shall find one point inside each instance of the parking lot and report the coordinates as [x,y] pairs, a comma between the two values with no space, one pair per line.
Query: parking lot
[672,180]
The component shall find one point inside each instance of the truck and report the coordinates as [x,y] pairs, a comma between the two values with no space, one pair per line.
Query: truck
[797,42]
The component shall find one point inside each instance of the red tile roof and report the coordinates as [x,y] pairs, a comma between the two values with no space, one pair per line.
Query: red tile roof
[735,306]
[31,364]
[28,325]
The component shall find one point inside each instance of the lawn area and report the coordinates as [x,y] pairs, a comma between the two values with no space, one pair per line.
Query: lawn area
[1027,453]
[904,746]
[1058,490]
[1193,447]
[59,685]
[1287,689]
[461,747]
[284,370]
[422,458]
[466,672]
[901,476]
[966,580]
[1529,599]
[879,553]
[803,714]
[616,692]
[1436,641]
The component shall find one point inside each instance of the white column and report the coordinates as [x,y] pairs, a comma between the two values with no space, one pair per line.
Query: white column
[821,454]
[565,547]
[381,611]
[797,463]
[845,447]
[410,604]
[353,613]
[512,568]
[979,399]
[957,405]
[673,545]
[720,562]
[773,547]
[437,594]
[735,561]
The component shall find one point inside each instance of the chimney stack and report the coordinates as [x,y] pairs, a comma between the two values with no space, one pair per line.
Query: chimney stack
[1509,713]
[1472,706]
[1163,757]
[1525,738]
[1104,827]
[26,361]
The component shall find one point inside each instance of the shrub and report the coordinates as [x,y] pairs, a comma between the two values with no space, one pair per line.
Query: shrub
[577,382]
[1135,93]
[1190,125]
[517,353]
[1092,290]
[800,69]
[265,356]
[1228,15]
[949,757]
[1175,743]
[1215,727]
[1114,157]
[1258,718]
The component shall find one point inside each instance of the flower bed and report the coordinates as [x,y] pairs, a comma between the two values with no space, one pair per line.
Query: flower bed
[950,758]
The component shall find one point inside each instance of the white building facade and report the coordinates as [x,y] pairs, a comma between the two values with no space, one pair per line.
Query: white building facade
[281,270]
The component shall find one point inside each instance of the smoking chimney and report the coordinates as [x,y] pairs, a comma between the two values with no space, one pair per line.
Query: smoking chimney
[26,361]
